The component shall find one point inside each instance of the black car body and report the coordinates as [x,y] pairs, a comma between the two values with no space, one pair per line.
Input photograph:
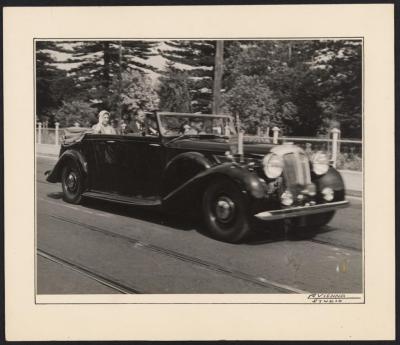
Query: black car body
[202,173]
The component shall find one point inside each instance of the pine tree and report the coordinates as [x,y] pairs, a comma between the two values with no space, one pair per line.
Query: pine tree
[197,59]
[174,90]
[99,63]
[53,85]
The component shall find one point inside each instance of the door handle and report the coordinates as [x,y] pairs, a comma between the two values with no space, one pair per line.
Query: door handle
[110,141]
[155,145]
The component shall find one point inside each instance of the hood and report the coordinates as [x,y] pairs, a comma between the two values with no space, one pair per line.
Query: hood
[221,146]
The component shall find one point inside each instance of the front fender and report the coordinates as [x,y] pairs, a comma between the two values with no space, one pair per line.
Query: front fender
[334,180]
[182,168]
[189,193]
[76,156]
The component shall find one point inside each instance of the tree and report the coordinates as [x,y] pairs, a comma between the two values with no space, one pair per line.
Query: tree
[76,111]
[100,63]
[337,67]
[53,85]
[254,102]
[318,81]
[136,91]
[174,90]
[197,59]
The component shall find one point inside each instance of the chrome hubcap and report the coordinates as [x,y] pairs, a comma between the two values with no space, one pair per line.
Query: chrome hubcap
[224,209]
[71,181]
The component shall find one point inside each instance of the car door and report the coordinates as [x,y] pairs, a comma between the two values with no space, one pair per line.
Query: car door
[142,166]
[108,160]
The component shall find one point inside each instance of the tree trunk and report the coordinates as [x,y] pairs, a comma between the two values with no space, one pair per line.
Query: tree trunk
[218,70]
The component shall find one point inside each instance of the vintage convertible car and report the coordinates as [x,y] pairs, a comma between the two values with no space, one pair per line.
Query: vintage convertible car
[198,163]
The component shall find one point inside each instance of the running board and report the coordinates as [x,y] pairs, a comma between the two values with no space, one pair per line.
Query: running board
[126,200]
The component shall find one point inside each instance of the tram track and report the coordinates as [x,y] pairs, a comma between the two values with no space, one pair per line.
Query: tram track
[89,273]
[260,281]
[335,244]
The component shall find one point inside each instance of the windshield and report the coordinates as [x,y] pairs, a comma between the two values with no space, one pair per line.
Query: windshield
[172,125]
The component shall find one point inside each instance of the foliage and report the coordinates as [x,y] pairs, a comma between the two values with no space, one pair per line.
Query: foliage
[76,111]
[197,59]
[348,161]
[53,85]
[99,63]
[320,80]
[305,87]
[337,67]
[254,102]
[174,90]
[130,91]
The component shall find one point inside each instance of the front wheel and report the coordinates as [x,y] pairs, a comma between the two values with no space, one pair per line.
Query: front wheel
[72,183]
[225,212]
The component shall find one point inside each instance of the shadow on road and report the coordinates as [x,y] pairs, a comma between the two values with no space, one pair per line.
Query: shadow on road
[264,232]
[56,195]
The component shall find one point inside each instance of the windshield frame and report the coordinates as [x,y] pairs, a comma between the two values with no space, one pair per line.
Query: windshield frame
[167,113]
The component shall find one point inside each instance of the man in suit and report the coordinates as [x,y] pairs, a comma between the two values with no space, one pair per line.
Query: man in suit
[140,126]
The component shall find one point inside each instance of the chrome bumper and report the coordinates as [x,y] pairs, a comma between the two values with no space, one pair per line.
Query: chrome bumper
[301,211]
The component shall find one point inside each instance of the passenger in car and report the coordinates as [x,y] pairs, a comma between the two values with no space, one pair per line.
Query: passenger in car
[187,129]
[140,126]
[103,125]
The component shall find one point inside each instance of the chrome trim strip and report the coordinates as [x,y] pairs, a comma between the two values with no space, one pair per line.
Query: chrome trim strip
[301,211]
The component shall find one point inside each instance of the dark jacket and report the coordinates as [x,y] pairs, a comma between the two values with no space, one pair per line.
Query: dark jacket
[133,127]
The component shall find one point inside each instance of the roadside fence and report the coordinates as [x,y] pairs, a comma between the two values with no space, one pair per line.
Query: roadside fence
[50,136]
[343,153]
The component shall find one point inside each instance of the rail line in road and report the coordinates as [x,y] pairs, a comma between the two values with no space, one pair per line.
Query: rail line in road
[106,214]
[89,273]
[335,244]
[260,281]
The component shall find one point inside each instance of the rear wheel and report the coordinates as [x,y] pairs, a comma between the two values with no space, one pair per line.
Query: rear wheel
[72,183]
[225,212]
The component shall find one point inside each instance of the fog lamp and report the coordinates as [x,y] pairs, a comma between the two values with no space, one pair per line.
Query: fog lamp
[287,198]
[328,194]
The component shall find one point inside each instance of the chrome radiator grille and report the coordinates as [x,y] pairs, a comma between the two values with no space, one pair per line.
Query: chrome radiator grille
[296,169]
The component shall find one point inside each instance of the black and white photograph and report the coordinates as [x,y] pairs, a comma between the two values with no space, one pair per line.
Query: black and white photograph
[199,172]
[199,166]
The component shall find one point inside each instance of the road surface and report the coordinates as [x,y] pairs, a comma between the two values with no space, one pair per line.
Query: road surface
[101,248]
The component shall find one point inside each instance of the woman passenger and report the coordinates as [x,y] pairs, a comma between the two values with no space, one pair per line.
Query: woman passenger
[103,125]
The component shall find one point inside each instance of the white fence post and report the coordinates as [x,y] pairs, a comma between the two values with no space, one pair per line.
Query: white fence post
[39,136]
[56,133]
[276,134]
[335,137]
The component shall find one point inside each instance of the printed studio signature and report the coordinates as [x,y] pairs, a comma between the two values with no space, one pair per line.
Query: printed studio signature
[327,297]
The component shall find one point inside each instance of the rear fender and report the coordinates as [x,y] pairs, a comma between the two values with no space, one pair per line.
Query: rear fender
[76,156]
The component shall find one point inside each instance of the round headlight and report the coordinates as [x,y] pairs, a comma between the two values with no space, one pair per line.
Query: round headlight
[320,163]
[273,165]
